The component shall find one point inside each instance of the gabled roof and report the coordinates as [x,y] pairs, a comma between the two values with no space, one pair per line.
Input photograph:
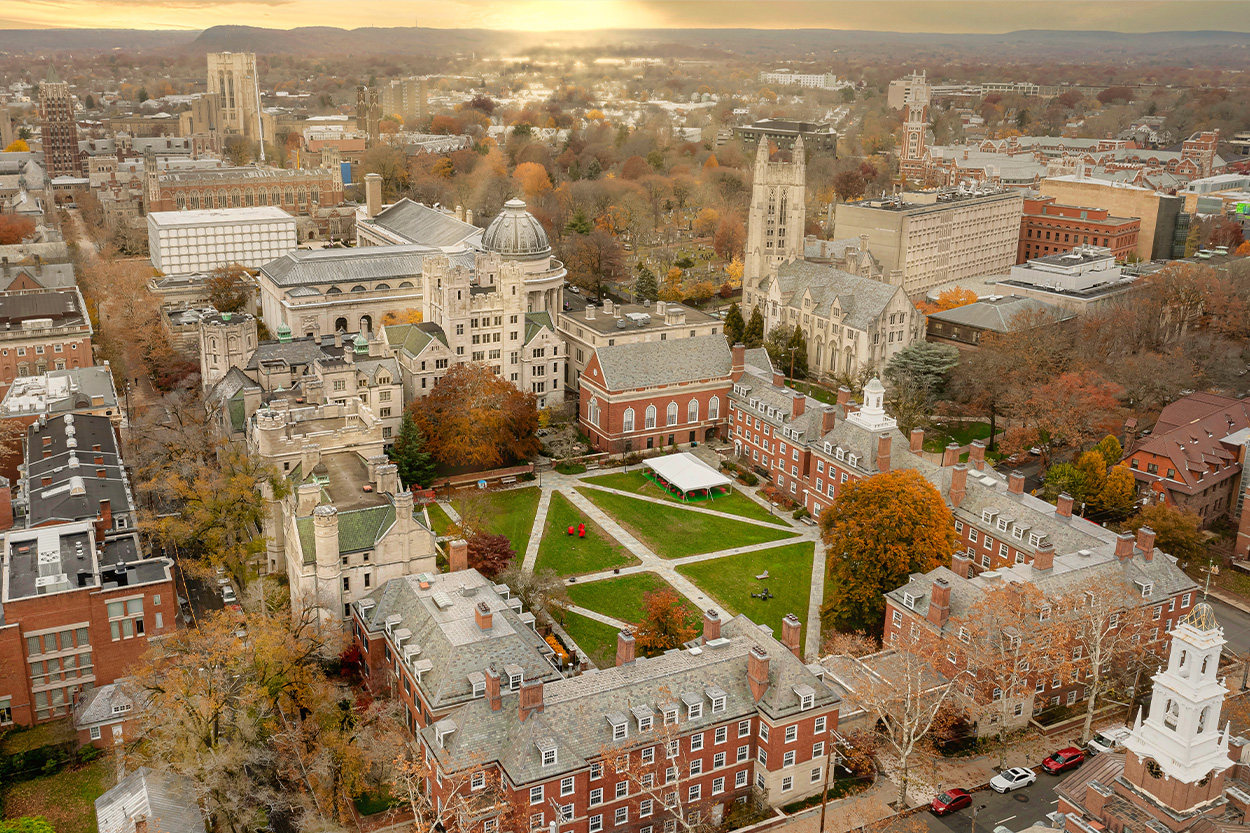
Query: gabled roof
[359,529]
[426,226]
[647,363]
[369,263]
[997,314]
[414,338]
[1190,433]
[863,300]
[534,324]
[167,802]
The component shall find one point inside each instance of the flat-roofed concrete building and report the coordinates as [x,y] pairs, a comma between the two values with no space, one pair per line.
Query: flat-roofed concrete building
[935,237]
[185,242]
[817,137]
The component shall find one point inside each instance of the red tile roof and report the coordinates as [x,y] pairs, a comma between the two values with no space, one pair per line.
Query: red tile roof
[1189,433]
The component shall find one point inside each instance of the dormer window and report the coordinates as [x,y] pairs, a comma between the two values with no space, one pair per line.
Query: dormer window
[1002,524]
[620,726]
[670,715]
[718,698]
[547,751]
[644,716]
[1034,539]
[807,699]
[694,706]
[841,455]
[987,515]
[909,599]
[1147,587]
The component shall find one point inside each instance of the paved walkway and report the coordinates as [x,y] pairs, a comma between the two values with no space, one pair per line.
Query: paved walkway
[536,531]
[599,617]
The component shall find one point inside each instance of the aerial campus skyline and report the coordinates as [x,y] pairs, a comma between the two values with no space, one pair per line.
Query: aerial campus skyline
[971,16]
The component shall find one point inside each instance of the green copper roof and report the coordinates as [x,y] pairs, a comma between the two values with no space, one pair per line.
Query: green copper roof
[359,529]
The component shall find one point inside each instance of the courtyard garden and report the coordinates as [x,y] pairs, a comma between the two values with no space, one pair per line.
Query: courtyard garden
[570,555]
[676,532]
[732,582]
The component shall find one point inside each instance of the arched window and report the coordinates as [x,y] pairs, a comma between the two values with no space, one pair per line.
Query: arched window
[236,199]
[334,290]
[1203,670]
[672,413]
[713,408]
[180,200]
[692,411]
[592,411]
[405,285]
[1171,714]
[1184,656]
[627,423]
[303,195]
[650,423]
[340,325]
[290,196]
[366,324]
[383,286]
[262,197]
[314,194]
[358,288]
[194,200]
[1202,718]
[249,197]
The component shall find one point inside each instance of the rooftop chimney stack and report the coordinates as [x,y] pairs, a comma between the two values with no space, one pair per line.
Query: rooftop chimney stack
[482,616]
[976,455]
[779,379]
[797,406]
[844,399]
[791,631]
[373,195]
[738,366]
[959,484]
[940,603]
[1124,546]
[531,698]
[457,555]
[883,452]
[1044,556]
[757,672]
[917,440]
[492,690]
[1015,482]
[828,419]
[711,625]
[625,648]
[1146,542]
[950,456]
[1064,506]
[961,564]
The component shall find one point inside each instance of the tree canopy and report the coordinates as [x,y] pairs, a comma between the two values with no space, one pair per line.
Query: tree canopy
[474,418]
[877,532]
[409,454]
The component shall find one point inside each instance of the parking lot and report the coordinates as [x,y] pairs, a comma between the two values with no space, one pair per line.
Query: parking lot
[1016,810]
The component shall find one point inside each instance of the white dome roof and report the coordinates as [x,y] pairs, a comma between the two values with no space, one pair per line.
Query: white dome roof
[515,233]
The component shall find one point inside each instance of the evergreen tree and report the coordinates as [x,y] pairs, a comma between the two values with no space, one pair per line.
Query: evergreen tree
[645,287]
[594,169]
[735,327]
[410,456]
[579,223]
[796,366]
[753,336]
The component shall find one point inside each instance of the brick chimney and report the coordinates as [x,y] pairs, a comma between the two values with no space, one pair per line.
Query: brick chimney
[1064,507]
[844,399]
[959,484]
[797,406]
[457,555]
[625,648]
[6,506]
[976,455]
[1124,546]
[531,698]
[791,628]
[828,419]
[1015,482]
[711,625]
[104,521]
[1146,542]
[779,379]
[940,603]
[739,363]
[757,672]
[950,456]
[492,690]
[961,564]
[141,824]
[483,616]
[883,452]
[917,440]
[1044,556]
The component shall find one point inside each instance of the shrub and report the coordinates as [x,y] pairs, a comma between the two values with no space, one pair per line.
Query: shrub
[750,479]
[801,513]
[527,476]
[570,468]
[89,753]
[633,459]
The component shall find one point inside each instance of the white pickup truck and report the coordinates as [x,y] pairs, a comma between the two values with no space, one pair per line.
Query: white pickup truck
[1108,739]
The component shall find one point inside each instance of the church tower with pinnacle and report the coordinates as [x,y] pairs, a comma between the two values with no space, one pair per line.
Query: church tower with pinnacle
[1178,754]
[776,219]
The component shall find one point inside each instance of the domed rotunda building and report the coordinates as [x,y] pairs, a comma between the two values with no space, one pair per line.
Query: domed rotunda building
[516,236]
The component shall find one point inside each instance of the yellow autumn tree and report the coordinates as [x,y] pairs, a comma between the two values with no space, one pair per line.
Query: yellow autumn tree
[711,162]
[734,272]
[17,146]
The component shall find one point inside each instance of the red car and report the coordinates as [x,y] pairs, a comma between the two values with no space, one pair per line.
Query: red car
[1064,760]
[950,801]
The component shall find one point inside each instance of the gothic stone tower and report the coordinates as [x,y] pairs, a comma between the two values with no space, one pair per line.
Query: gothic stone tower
[226,340]
[1178,756]
[915,123]
[776,219]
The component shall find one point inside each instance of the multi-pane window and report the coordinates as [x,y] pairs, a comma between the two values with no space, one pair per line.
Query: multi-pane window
[126,618]
[722,734]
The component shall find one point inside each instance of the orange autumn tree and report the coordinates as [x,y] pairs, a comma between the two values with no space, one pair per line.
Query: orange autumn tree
[667,622]
[950,299]
[877,532]
[474,418]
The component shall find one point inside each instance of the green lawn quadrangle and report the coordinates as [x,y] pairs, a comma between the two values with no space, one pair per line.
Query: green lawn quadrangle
[509,512]
[571,555]
[731,581]
[440,521]
[674,532]
[734,503]
[597,640]
[620,598]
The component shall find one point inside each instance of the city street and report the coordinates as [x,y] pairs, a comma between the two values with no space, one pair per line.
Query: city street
[1016,810]
[1236,624]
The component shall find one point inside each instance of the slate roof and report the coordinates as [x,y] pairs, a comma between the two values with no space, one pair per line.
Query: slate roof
[166,801]
[448,636]
[997,314]
[534,323]
[413,338]
[861,299]
[97,704]
[230,385]
[1189,432]
[426,226]
[359,529]
[297,352]
[576,709]
[648,363]
[302,267]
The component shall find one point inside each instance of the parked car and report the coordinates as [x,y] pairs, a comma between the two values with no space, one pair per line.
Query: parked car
[1065,759]
[1012,779]
[227,595]
[1107,740]
[950,801]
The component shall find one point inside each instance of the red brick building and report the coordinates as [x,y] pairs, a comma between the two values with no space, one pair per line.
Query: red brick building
[1048,227]
[622,748]
[656,394]
[1195,458]
[42,330]
[78,612]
